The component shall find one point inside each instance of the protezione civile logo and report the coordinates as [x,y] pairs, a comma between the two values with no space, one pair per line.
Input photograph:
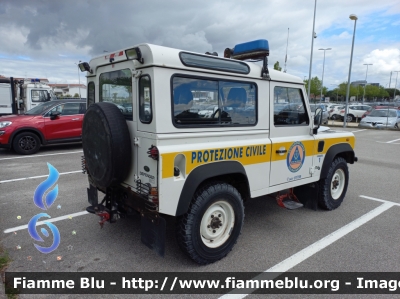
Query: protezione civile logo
[45,203]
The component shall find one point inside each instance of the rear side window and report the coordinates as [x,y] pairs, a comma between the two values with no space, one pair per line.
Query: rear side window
[213,102]
[145,108]
[66,109]
[91,94]
[289,107]
[116,87]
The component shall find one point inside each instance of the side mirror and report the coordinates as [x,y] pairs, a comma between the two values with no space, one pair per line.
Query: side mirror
[317,120]
[54,115]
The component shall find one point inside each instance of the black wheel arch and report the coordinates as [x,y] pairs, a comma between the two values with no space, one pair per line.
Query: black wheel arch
[232,172]
[343,150]
[28,130]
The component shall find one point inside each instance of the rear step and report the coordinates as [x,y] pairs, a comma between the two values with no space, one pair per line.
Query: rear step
[288,200]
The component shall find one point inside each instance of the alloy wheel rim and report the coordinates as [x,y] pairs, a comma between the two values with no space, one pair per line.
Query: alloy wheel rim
[27,143]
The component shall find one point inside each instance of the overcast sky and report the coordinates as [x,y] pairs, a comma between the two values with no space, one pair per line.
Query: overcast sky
[45,38]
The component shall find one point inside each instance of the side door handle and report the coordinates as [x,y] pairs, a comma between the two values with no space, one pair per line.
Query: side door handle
[75,118]
[281,151]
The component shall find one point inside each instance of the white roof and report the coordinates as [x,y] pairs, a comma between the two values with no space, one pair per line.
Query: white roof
[154,55]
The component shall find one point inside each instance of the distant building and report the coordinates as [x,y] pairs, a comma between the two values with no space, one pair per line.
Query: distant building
[363,82]
[68,89]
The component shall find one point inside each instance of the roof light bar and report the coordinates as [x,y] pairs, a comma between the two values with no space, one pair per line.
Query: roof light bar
[257,49]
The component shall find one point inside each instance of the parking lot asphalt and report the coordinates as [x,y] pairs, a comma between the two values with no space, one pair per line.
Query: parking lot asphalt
[361,235]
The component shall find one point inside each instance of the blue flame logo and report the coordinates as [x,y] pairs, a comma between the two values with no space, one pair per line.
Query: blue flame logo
[44,204]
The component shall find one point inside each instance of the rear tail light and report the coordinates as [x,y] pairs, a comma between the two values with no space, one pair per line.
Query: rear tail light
[341,111]
[153,152]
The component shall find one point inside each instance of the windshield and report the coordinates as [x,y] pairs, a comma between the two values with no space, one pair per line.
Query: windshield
[39,109]
[383,113]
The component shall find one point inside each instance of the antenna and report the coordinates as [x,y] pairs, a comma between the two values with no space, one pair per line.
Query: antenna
[287,43]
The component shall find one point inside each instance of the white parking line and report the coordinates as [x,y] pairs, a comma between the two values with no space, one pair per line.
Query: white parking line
[393,140]
[314,248]
[36,177]
[14,229]
[381,200]
[34,156]
[358,131]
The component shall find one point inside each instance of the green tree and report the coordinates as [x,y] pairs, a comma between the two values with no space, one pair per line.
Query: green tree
[277,67]
[315,89]
[76,95]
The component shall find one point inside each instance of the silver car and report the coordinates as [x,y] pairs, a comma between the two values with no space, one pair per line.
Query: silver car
[381,118]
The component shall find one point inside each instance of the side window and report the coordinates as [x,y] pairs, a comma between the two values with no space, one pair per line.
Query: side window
[145,109]
[289,107]
[212,102]
[66,109]
[91,94]
[82,108]
[116,87]
[39,95]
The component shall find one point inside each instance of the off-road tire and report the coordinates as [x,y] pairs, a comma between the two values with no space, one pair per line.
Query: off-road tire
[332,189]
[106,144]
[211,199]
[26,143]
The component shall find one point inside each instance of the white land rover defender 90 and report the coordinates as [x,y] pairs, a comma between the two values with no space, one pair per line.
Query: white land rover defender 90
[200,134]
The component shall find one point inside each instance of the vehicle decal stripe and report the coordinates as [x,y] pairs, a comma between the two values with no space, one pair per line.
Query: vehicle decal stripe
[246,155]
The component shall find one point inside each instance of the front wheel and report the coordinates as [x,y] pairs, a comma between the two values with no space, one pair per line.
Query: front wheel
[26,143]
[212,225]
[333,188]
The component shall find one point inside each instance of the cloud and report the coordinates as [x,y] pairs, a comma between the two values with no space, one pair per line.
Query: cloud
[57,34]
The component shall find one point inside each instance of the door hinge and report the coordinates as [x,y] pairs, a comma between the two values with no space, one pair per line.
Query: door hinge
[136,141]
[312,170]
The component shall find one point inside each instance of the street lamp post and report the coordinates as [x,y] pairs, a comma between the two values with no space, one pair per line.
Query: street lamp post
[395,84]
[354,18]
[323,68]
[79,79]
[312,46]
[365,86]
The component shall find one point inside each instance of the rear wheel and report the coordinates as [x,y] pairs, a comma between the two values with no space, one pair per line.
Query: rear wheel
[26,143]
[350,118]
[212,225]
[333,188]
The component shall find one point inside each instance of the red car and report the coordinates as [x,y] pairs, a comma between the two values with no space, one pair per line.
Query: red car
[49,123]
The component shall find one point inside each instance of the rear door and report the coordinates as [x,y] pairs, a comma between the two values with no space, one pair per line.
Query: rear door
[292,143]
[117,85]
[68,124]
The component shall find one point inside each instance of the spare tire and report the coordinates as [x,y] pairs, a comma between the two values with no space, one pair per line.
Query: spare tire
[106,144]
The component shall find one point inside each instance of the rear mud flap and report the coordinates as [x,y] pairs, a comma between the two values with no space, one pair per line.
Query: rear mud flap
[307,195]
[93,195]
[153,232]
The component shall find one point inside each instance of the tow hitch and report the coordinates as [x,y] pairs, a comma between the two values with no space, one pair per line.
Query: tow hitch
[104,214]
